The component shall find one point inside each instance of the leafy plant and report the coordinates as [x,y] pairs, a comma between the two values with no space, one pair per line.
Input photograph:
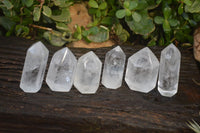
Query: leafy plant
[194,126]
[159,21]
[136,15]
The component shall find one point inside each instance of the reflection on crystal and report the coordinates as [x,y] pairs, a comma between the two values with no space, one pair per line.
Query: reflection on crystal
[34,68]
[169,71]
[61,71]
[88,73]
[142,71]
[113,68]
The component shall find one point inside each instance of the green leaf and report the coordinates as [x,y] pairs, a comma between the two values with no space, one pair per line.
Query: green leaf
[194,7]
[101,36]
[78,33]
[21,30]
[196,17]
[136,16]
[94,30]
[185,16]
[133,4]
[123,36]
[62,3]
[62,26]
[85,33]
[8,13]
[151,43]
[120,13]
[188,2]
[6,23]
[144,27]
[166,26]
[55,39]
[78,28]
[118,29]
[98,13]
[93,3]
[107,21]
[128,12]
[152,4]
[8,4]
[180,9]
[158,20]
[167,12]
[142,5]
[103,6]
[158,1]
[92,11]
[126,4]
[161,41]
[104,13]
[192,23]
[183,36]
[28,3]
[79,37]
[63,17]
[27,12]
[94,23]
[173,22]
[47,11]
[36,14]
[59,2]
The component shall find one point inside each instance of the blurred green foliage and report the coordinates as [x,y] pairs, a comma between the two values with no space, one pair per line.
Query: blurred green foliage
[159,21]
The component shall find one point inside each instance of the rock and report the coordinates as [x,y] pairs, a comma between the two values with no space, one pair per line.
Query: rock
[84,44]
[196,46]
[79,16]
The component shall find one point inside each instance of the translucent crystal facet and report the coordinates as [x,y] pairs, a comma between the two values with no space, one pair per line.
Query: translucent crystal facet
[142,71]
[88,73]
[34,68]
[61,71]
[113,68]
[169,71]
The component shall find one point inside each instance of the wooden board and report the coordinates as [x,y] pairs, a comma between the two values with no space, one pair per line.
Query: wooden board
[120,110]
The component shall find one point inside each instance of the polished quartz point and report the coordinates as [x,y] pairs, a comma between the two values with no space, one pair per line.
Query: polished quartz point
[61,71]
[113,68]
[142,71]
[34,68]
[88,73]
[169,71]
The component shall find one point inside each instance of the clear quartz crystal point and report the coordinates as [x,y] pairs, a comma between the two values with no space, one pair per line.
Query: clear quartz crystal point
[142,71]
[34,68]
[61,71]
[169,71]
[113,68]
[88,73]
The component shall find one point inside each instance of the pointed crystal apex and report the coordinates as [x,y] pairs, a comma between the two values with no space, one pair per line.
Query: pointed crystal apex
[142,71]
[118,48]
[169,71]
[88,73]
[38,48]
[113,68]
[34,68]
[61,71]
